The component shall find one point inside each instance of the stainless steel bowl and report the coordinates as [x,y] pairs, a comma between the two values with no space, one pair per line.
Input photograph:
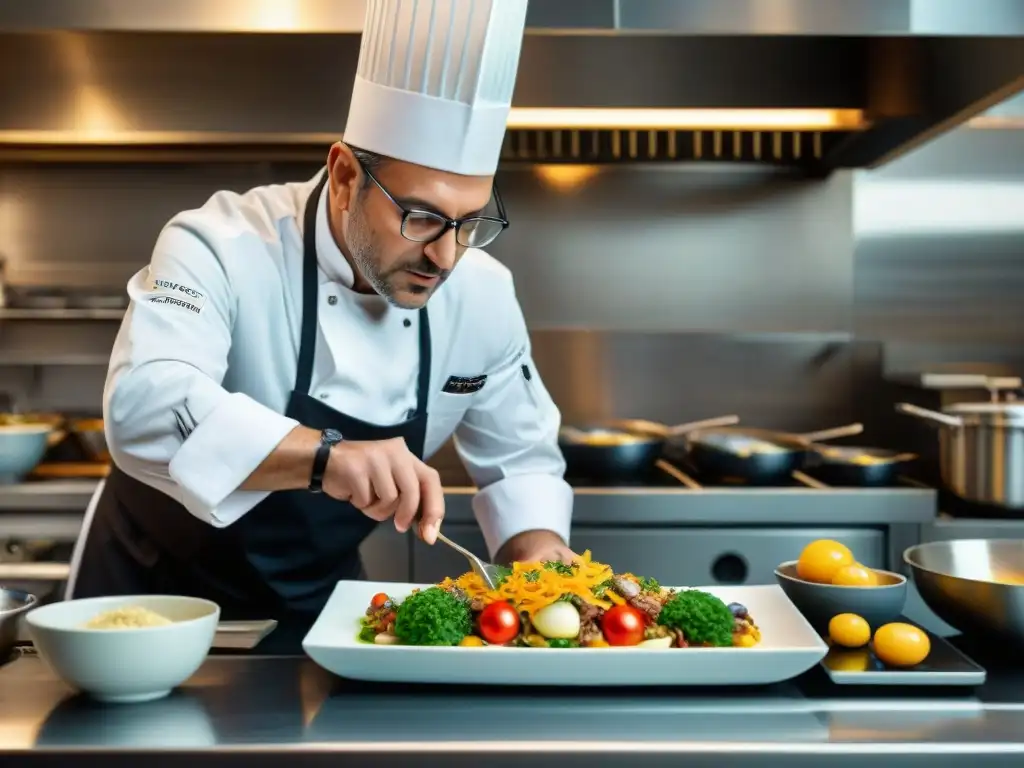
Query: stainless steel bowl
[13,604]
[974,585]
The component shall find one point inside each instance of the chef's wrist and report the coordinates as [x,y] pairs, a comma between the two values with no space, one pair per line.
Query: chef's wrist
[290,465]
[329,438]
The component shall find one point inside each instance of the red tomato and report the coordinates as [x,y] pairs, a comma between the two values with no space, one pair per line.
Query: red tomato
[623,625]
[499,623]
[378,600]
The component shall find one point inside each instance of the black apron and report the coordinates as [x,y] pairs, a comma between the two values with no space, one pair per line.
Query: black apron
[282,559]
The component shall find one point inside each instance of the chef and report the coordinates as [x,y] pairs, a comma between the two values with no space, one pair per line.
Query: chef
[292,354]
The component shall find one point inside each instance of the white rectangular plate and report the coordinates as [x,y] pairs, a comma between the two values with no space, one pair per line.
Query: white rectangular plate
[788,647]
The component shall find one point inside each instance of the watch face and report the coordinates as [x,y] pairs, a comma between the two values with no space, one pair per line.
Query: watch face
[330,436]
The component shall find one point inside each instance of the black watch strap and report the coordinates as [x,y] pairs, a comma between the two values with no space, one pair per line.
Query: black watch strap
[328,438]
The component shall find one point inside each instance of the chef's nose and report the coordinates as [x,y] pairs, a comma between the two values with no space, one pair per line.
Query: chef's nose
[443,250]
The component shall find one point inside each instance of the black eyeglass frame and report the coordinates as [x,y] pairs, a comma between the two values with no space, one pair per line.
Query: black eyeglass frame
[447,223]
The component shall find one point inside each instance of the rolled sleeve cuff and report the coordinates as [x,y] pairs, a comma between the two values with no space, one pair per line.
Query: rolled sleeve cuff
[227,446]
[523,503]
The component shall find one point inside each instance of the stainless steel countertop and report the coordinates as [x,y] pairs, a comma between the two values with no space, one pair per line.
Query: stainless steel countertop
[260,710]
[593,506]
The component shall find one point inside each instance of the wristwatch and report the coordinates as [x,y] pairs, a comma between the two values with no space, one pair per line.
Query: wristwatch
[328,438]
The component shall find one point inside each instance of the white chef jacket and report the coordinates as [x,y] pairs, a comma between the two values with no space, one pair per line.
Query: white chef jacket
[211,341]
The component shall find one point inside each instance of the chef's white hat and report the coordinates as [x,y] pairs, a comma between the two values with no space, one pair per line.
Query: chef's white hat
[434,81]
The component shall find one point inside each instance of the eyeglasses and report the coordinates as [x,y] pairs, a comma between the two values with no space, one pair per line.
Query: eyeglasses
[429,226]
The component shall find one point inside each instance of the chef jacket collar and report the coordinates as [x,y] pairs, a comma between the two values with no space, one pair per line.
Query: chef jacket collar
[334,267]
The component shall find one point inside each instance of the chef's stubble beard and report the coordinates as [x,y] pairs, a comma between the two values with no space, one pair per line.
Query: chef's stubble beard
[360,243]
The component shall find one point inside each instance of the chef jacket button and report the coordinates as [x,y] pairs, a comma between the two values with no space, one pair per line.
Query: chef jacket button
[407,322]
[324,395]
[410,413]
[332,300]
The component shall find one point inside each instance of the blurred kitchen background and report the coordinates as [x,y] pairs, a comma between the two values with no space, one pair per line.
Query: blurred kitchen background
[801,274]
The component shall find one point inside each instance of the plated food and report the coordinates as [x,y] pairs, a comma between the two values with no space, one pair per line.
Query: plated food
[604,438]
[555,605]
[127,617]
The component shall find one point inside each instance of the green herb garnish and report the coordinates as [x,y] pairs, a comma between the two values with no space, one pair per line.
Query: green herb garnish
[703,618]
[531,575]
[650,585]
[367,634]
[559,567]
[604,586]
[433,617]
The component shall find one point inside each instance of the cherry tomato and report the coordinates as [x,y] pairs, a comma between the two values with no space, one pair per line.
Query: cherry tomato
[623,625]
[378,600]
[499,623]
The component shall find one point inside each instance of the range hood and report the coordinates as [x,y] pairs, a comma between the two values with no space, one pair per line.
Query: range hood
[816,84]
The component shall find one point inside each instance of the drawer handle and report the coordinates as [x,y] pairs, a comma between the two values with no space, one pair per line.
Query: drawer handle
[730,568]
[34,571]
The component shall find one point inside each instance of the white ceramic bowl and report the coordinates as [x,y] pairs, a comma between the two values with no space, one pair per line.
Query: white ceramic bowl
[124,665]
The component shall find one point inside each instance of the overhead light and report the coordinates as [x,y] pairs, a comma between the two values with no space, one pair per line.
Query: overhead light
[587,118]
[566,178]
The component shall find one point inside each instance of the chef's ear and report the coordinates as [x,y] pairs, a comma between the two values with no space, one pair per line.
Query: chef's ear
[346,175]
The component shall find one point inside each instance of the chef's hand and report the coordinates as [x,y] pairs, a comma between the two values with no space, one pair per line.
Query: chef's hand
[382,479]
[535,546]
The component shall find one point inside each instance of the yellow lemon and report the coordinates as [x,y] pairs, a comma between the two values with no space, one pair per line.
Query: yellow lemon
[901,645]
[821,559]
[855,575]
[849,630]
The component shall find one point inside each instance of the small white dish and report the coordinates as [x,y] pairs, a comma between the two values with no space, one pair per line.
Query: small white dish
[124,665]
[788,647]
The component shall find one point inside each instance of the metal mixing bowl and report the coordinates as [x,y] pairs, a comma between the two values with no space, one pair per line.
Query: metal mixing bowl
[974,585]
[13,604]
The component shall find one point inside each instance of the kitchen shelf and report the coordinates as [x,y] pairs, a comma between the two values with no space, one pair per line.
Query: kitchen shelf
[31,359]
[61,314]
[47,496]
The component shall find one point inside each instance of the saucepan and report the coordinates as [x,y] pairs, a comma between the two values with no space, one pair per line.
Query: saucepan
[13,605]
[981,450]
[756,455]
[625,449]
[855,465]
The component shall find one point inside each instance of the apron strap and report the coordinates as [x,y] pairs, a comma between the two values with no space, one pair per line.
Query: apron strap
[423,382]
[310,292]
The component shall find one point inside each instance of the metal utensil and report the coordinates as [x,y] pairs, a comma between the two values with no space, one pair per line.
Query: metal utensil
[641,443]
[974,585]
[981,450]
[487,572]
[13,604]
[756,455]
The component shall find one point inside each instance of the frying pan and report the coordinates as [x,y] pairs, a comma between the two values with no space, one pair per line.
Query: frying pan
[755,455]
[854,465]
[633,447]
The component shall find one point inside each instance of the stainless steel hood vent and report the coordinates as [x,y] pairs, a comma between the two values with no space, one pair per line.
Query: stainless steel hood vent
[154,78]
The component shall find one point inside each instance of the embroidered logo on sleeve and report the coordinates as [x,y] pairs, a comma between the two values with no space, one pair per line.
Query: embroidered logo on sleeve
[175,294]
[464,385]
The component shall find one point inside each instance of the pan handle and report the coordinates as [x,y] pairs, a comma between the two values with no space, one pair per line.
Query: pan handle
[720,421]
[902,458]
[663,432]
[932,416]
[831,434]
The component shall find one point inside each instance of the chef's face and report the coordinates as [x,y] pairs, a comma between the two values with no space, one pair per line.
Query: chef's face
[367,212]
